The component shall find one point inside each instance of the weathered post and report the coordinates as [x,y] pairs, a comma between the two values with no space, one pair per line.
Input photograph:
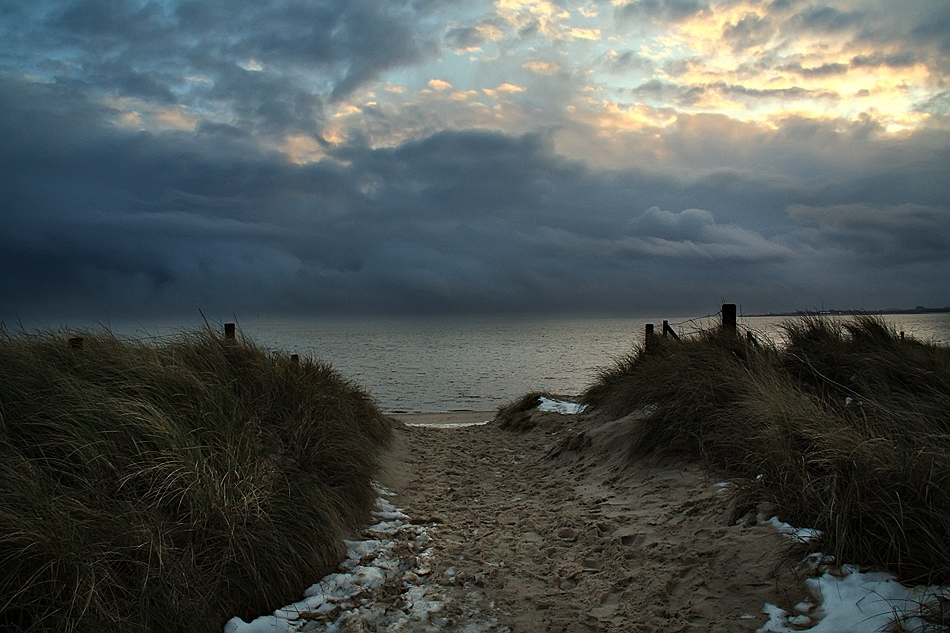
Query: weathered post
[229,330]
[76,342]
[729,317]
[648,335]
[667,330]
[295,359]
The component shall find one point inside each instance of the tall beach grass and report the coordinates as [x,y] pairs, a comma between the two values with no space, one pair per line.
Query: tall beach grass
[169,485]
[846,428]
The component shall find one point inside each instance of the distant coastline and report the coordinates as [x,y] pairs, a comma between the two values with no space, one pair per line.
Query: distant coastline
[917,310]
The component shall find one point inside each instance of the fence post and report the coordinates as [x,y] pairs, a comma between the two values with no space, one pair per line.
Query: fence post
[729,317]
[648,335]
[668,330]
[229,331]
[295,359]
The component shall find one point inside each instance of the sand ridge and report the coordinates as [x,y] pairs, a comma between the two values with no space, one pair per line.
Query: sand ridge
[551,530]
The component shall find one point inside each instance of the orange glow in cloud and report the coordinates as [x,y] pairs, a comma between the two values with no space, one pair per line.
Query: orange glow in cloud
[584,34]
[509,88]
[542,68]
[611,117]
[301,149]
[140,114]
[767,70]
[439,84]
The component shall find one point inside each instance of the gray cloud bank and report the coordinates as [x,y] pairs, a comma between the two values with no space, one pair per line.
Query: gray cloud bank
[100,220]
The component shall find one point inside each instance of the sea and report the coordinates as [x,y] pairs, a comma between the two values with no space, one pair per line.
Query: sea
[427,365]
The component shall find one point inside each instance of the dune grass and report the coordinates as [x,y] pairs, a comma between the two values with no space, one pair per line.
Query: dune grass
[517,414]
[169,485]
[848,426]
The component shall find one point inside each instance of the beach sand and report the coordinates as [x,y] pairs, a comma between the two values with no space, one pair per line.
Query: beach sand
[551,530]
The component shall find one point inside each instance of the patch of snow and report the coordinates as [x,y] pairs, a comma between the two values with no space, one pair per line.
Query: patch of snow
[383,585]
[849,600]
[561,406]
[802,535]
[856,602]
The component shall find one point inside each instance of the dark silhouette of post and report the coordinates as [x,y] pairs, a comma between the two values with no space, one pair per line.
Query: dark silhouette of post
[295,359]
[729,317]
[229,331]
[667,330]
[648,335]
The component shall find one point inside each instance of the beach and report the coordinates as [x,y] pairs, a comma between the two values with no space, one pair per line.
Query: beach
[481,529]
[550,531]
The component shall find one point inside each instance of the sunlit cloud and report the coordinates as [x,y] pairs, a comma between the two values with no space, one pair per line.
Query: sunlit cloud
[301,150]
[612,117]
[439,85]
[252,65]
[541,67]
[144,115]
[584,34]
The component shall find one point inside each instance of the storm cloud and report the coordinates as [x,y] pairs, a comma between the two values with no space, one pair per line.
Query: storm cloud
[281,157]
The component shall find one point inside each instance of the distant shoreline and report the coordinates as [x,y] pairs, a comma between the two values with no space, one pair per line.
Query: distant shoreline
[885,311]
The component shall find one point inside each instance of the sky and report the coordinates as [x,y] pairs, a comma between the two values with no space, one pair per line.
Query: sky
[432,157]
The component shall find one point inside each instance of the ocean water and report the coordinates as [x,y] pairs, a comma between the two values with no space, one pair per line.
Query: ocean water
[429,365]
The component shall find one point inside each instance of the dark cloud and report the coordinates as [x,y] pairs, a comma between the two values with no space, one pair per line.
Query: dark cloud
[691,95]
[463,38]
[751,30]
[99,216]
[906,232]
[935,26]
[827,19]
[661,10]
[98,219]
[824,70]
[655,89]
[272,63]
[627,61]
[902,59]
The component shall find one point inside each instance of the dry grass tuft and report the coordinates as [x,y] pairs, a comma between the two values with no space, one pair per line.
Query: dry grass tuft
[516,415]
[848,427]
[168,486]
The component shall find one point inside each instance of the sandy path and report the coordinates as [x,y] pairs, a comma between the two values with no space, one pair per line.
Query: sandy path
[525,541]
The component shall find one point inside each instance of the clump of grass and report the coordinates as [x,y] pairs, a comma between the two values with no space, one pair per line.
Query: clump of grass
[516,415]
[169,486]
[847,426]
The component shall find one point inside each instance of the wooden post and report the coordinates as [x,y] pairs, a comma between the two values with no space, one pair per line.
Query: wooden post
[648,335]
[902,335]
[729,317]
[76,342]
[229,331]
[295,359]
[668,330]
